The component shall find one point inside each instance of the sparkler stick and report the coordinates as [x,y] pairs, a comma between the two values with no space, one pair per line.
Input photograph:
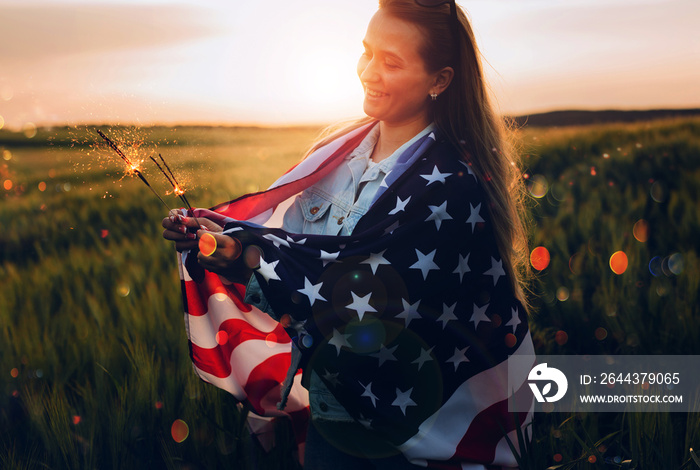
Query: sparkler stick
[176,186]
[131,166]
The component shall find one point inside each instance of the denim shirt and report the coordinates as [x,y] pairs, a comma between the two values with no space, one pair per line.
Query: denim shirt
[333,206]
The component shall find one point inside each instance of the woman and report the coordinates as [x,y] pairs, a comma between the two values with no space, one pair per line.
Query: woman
[398,268]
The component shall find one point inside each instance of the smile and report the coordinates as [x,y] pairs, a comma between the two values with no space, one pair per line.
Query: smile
[374,94]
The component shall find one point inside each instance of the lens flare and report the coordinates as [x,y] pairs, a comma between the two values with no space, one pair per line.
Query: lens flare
[29,130]
[561,337]
[42,186]
[618,262]
[539,258]
[601,333]
[6,155]
[2,121]
[675,263]
[641,230]
[538,186]
[562,294]
[271,340]
[14,373]
[7,185]
[207,244]
[179,430]
[76,419]
[221,337]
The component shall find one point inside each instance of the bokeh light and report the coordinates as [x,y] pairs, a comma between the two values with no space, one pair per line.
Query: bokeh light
[221,337]
[618,262]
[592,459]
[658,191]
[271,340]
[510,340]
[29,130]
[179,430]
[601,333]
[641,230]
[539,258]
[675,263]
[123,290]
[14,373]
[561,337]
[207,244]
[562,294]
[2,121]
[655,266]
[76,419]
[42,186]
[538,186]
[6,155]
[104,233]
[159,405]
[576,263]
[558,458]
[7,185]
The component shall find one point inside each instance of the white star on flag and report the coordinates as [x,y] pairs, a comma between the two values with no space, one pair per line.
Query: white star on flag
[515,319]
[462,266]
[474,217]
[277,241]
[403,400]
[328,257]
[339,340]
[331,378]
[435,176]
[448,313]
[267,270]
[425,263]
[385,354]
[409,313]
[459,357]
[400,205]
[312,291]
[424,357]
[479,315]
[375,260]
[368,393]
[496,270]
[439,213]
[360,305]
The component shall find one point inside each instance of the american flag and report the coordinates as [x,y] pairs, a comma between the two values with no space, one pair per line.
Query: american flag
[409,321]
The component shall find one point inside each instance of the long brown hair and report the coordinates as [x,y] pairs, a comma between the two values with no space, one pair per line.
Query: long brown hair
[465,116]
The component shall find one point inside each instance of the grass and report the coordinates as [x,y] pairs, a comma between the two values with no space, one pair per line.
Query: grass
[94,367]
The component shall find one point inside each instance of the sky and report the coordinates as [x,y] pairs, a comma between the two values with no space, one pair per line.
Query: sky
[288,62]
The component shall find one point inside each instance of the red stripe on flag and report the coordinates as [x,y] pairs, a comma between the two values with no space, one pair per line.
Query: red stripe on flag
[214,361]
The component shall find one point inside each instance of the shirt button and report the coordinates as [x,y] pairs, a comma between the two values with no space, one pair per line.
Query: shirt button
[340,221]
[323,407]
[314,210]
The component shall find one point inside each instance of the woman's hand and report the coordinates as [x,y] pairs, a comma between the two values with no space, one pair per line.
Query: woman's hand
[176,229]
[220,254]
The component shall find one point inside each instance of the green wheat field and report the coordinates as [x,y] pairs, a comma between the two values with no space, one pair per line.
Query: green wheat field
[94,366]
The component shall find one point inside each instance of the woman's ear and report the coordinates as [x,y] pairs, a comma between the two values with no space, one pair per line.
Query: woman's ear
[442,80]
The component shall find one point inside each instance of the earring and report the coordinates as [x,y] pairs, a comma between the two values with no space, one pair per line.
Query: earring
[434,96]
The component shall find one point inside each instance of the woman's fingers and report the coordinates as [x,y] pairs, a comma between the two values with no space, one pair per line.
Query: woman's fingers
[217,252]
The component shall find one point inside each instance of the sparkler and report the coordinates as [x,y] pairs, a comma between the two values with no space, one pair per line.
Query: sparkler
[170,176]
[131,166]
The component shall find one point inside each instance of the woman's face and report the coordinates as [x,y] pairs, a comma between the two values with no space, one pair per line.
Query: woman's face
[393,75]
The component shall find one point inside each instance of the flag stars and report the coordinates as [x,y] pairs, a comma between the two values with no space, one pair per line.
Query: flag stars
[368,393]
[328,257]
[385,354]
[267,270]
[339,340]
[496,270]
[448,314]
[515,319]
[462,266]
[390,230]
[312,291]
[277,241]
[410,312]
[479,315]
[425,356]
[435,176]
[361,305]
[474,216]
[331,377]
[425,263]
[403,400]
[375,260]
[459,357]
[439,214]
[400,205]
